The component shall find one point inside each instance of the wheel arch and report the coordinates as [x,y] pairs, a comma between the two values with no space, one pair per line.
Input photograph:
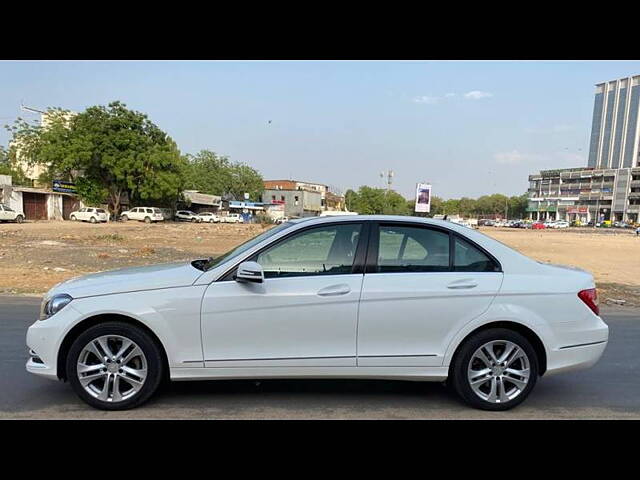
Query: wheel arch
[522,329]
[89,322]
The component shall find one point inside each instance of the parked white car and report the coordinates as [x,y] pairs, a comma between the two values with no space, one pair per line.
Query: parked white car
[208,217]
[326,297]
[8,214]
[143,214]
[560,224]
[90,214]
[186,216]
[232,218]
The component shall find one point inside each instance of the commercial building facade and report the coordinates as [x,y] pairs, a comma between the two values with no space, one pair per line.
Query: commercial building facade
[608,188]
[37,203]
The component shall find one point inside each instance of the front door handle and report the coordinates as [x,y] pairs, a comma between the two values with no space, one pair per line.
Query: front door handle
[341,289]
[461,284]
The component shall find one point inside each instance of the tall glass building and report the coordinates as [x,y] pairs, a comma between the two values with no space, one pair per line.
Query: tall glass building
[608,188]
[615,132]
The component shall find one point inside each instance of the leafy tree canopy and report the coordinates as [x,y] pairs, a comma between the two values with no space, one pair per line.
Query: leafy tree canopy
[372,201]
[217,175]
[107,151]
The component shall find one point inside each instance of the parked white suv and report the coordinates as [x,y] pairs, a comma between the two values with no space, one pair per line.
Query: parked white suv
[186,216]
[90,214]
[10,215]
[143,214]
[208,217]
[232,218]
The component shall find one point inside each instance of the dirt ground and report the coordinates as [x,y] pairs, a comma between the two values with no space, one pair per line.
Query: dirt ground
[36,256]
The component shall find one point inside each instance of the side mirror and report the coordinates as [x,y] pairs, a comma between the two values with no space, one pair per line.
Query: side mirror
[249,272]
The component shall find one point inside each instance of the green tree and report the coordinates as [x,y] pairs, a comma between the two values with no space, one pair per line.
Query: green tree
[217,175]
[108,151]
[8,167]
[371,201]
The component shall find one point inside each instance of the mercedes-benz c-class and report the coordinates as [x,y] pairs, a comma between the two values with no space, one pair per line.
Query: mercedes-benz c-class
[381,297]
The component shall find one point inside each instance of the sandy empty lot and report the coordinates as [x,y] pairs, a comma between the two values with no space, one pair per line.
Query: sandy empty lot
[36,256]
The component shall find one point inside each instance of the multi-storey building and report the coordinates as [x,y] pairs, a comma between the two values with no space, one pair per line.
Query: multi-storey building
[609,187]
[301,199]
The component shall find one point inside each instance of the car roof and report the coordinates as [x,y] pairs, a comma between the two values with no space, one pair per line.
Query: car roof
[378,218]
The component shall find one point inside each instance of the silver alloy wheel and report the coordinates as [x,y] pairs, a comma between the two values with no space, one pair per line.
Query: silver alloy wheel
[498,371]
[112,368]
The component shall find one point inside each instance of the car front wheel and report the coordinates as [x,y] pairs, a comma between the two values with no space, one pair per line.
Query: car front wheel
[114,366]
[147,220]
[19,219]
[495,369]
[125,218]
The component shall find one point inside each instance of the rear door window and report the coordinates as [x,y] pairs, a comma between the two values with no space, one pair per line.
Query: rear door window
[412,249]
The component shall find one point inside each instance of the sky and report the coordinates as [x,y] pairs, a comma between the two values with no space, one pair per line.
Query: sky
[469,128]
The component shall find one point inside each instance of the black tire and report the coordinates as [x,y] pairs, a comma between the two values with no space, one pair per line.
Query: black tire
[92,220]
[19,219]
[458,373]
[124,218]
[155,365]
[147,220]
[73,218]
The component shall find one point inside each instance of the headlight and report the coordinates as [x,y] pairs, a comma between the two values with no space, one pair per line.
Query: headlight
[54,305]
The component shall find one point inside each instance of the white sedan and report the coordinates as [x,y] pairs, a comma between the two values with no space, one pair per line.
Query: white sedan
[90,214]
[208,217]
[330,297]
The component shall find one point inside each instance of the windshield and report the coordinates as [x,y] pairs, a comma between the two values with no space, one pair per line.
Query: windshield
[243,247]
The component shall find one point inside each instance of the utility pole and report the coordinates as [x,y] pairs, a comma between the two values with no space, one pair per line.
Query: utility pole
[389,174]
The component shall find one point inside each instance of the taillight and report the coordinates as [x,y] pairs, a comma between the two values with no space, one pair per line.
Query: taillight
[590,298]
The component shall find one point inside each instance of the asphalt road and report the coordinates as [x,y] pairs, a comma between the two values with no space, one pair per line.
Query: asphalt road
[609,390]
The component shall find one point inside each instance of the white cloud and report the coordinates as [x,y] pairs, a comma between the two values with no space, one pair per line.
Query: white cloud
[477,95]
[426,99]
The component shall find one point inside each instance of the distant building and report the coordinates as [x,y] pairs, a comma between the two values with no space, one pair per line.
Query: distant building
[297,203]
[33,172]
[38,203]
[608,188]
[302,199]
[200,202]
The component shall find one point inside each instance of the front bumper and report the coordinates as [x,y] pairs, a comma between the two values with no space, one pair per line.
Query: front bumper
[44,338]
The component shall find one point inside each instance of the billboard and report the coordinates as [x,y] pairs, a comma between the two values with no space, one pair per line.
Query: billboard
[423,197]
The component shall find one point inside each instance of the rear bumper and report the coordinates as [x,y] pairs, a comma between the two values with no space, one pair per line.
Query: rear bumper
[575,358]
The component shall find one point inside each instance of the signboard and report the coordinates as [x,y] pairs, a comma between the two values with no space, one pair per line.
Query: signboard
[577,209]
[64,187]
[423,197]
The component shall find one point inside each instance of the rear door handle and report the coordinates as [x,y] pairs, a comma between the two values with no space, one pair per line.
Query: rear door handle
[461,284]
[341,289]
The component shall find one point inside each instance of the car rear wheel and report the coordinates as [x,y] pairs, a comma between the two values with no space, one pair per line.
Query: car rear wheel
[93,220]
[19,219]
[147,220]
[114,366]
[495,369]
